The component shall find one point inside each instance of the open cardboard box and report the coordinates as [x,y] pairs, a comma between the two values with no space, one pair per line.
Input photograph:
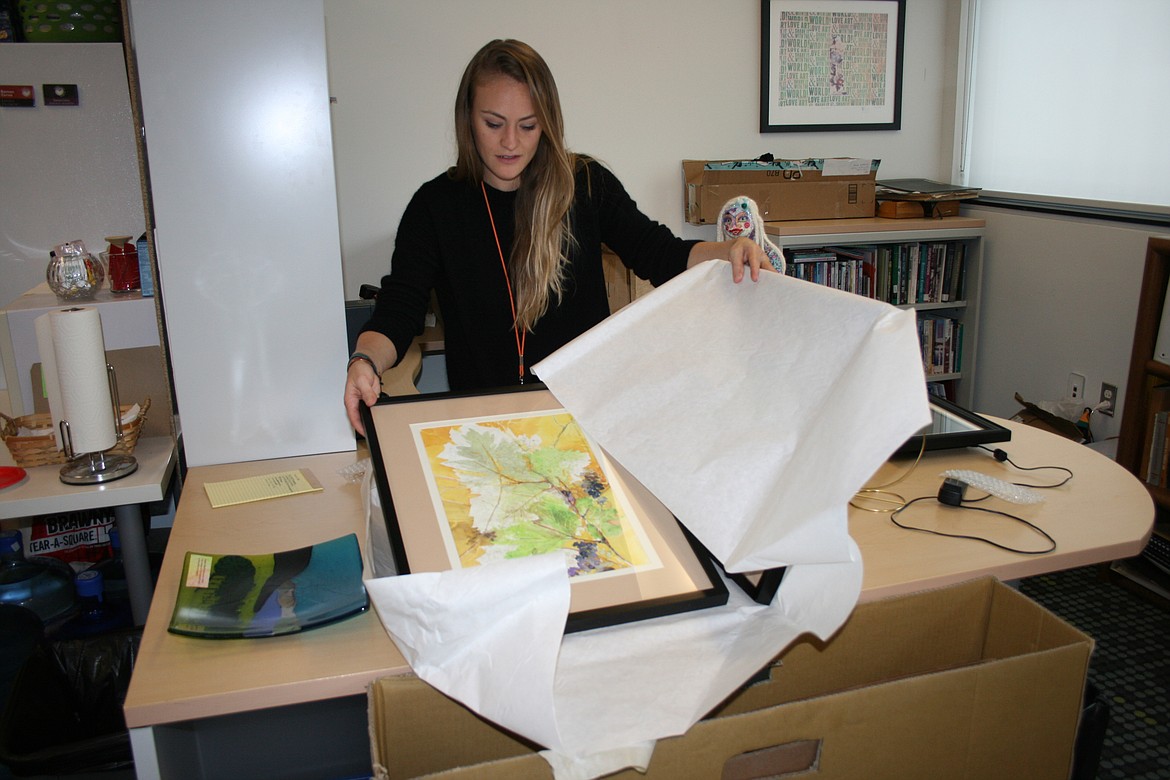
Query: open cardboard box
[969,681]
[806,190]
[1036,417]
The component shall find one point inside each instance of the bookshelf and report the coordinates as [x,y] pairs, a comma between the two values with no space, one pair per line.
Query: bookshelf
[1142,436]
[882,234]
[1143,392]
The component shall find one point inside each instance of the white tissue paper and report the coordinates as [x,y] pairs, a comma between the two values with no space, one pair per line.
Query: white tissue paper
[754,412]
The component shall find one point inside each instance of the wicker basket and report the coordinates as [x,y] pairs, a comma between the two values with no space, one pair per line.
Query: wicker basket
[42,450]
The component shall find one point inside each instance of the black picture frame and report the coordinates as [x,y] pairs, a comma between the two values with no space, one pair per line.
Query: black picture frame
[952,427]
[761,586]
[815,79]
[399,469]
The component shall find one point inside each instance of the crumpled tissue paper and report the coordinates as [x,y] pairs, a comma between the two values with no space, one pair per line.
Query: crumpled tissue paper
[752,411]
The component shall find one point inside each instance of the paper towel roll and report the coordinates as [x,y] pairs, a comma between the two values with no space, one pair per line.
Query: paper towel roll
[78,358]
[44,331]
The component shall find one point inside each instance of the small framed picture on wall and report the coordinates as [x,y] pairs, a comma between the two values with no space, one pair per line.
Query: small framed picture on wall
[831,65]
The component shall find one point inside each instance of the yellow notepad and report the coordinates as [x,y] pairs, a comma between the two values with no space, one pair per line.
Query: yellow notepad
[242,491]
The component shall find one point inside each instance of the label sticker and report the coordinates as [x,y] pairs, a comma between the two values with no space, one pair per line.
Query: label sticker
[198,570]
[17,95]
[60,94]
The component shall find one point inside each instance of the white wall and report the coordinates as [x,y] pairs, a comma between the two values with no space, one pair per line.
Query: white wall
[644,85]
[647,84]
[1060,295]
[67,172]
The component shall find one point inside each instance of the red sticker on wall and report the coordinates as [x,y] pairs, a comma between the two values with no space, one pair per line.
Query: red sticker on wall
[17,95]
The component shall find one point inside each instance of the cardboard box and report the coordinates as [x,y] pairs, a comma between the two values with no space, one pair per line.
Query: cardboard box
[1036,417]
[969,681]
[833,188]
[900,209]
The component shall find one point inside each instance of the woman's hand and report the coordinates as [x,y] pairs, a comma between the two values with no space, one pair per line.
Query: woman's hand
[363,379]
[362,385]
[744,255]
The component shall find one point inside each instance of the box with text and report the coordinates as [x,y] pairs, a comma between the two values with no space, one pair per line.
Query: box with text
[831,188]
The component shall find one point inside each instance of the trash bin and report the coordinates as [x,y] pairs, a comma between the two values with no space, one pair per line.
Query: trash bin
[20,632]
[64,711]
[1090,734]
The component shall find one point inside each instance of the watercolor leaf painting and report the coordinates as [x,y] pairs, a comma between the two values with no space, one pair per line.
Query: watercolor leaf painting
[525,485]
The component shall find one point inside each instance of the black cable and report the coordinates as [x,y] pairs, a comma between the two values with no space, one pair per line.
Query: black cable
[1037,529]
[1002,456]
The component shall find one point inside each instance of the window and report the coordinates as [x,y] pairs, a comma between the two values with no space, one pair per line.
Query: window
[1070,99]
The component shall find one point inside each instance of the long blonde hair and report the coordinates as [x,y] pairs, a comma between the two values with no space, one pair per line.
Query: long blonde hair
[543,235]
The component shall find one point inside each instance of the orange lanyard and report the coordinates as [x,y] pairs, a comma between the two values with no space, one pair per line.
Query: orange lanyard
[521,337]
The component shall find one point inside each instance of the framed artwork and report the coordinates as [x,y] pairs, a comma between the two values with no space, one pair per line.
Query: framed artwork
[466,479]
[952,427]
[831,65]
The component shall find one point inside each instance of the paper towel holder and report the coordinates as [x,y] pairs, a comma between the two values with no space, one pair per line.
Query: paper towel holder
[90,468]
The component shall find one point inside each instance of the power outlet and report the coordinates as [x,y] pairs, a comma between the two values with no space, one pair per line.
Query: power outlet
[1109,397]
[1076,387]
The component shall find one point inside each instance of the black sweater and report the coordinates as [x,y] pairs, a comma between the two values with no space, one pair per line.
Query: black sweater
[445,243]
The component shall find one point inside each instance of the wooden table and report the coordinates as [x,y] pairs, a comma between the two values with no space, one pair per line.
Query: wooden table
[1103,514]
[276,706]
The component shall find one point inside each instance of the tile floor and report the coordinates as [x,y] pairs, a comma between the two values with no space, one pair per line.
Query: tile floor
[1130,666]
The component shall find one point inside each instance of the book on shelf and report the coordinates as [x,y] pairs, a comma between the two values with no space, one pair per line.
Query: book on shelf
[944,389]
[861,262]
[923,189]
[233,595]
[941,341]
[902,274]
[843,268]
[956,275]
[1156,458]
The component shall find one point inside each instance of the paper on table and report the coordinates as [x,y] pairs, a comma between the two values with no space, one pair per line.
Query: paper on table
[248,489]
[753,411]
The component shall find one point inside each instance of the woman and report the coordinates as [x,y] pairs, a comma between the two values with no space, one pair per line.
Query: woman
[510,239]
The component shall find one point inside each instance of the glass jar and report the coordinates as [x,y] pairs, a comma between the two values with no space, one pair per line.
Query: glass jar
[73,273]
[121,258]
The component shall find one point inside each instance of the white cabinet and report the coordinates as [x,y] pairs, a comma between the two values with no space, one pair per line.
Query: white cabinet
[949,361]
[235,103]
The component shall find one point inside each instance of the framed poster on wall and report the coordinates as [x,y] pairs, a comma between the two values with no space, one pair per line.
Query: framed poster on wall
[831,65]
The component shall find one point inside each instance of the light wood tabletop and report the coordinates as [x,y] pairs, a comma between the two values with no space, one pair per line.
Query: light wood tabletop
[1102,514]
[180,678]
